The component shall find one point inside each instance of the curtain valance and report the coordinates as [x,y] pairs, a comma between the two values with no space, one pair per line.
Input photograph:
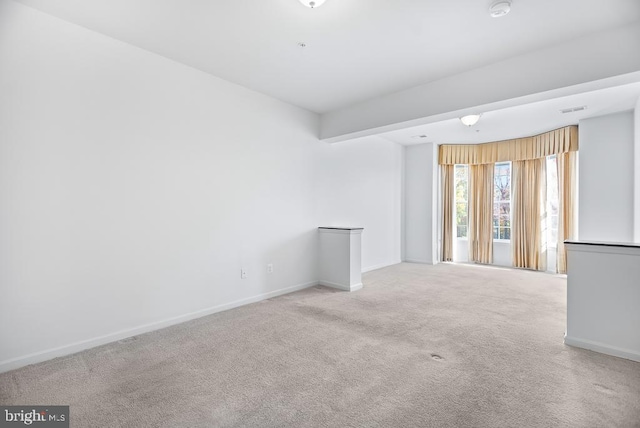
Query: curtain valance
[553,142]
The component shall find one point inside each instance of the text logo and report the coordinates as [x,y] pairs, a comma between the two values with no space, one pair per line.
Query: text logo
[34,416]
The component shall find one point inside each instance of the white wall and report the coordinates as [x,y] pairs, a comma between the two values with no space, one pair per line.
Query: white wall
[421,242]
[359,185]
[636,186]
[133,189]
[606,178]
[502,253]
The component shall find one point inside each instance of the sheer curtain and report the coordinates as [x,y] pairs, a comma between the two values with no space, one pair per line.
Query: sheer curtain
[481,213]
[448,202]
[529,191]
[566,204]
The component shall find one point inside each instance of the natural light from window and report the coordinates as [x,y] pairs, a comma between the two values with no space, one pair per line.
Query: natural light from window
[552,201]
[462,200]
[502,201]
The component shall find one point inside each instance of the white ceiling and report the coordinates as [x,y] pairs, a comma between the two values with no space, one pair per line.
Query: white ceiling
[523,120]
[356,49]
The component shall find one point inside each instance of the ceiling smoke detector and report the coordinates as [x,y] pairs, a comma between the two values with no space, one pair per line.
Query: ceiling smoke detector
[312,3]
[499,8]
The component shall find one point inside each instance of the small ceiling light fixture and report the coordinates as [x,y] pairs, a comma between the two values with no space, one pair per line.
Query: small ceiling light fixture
[499,8]
[312,3]
[470,119]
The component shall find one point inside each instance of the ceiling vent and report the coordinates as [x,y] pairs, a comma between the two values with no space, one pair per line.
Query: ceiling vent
[573,109]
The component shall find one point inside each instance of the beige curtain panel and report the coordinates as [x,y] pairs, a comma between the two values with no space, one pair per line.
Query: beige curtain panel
[566,205]
[481,213]
[448,198]
[529,202]
[550,143]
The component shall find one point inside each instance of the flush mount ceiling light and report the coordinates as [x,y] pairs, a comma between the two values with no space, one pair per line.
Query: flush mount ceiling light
[312,3]
[499,8]
[470,119]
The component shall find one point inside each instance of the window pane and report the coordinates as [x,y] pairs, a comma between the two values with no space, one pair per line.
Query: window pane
[505,208]
[552,201]
[552,185]
[502,193]
[505,233]
[461,189]
[505,220]
[503,168]
[461,214]
[502,182]
[462,182]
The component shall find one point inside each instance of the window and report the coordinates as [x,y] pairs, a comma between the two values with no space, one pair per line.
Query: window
[462,195]
[552,201]
[502,201]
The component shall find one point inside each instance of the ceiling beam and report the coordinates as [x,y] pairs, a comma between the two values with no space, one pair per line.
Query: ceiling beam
[589,63]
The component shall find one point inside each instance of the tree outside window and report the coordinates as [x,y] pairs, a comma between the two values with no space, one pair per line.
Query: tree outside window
[462,200]
[502,201]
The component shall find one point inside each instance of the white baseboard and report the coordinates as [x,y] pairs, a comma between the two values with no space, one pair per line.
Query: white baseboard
[380,266]
[355,287]
[424,262]
[602,348]
[72,348]
[340,286]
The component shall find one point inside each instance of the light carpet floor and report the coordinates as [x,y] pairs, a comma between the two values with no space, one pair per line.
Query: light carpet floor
[419,346]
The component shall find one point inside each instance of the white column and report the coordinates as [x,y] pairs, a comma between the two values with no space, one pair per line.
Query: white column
[340,257]
[421,210]
[606,178]
[636,168]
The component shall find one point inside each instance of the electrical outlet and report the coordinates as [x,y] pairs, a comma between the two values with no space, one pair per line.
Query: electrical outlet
[243,274]
[270,268]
